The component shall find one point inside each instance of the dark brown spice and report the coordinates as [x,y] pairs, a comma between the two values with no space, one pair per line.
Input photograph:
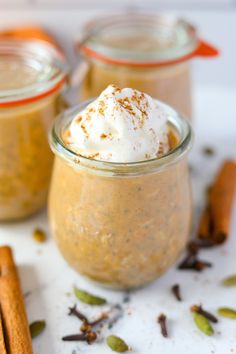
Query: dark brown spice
[196,265]
[206,314]
[193,248]
[191,262]
[87,325]
[88,337]
[208,150]
[77,313]
[201,265]
[162,321]
[176,291]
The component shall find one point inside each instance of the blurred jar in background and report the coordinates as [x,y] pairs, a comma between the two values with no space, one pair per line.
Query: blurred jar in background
[32,78]
[149,53]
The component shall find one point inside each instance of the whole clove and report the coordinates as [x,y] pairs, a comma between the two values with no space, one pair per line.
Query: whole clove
[196,265]
[191,261]
[88,337]
[86,325]
[176,291]
[162,321]
[206,314]
[73,311]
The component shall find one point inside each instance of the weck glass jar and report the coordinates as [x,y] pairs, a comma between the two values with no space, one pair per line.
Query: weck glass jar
[146,52]
[32,79]
[120,224]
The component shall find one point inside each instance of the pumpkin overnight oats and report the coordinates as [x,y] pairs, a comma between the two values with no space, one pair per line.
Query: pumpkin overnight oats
[120,200]
[32,76]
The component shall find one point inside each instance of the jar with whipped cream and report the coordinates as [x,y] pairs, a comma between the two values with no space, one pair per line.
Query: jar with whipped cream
[120,201]
[32,81]
[146,52]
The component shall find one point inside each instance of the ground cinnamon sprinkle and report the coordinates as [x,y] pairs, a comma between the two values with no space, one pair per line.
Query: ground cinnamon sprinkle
[92,156]
[103,136]
[84,130]
[78,120]
[102,107]
[67,136]
[126,104]
[215,221]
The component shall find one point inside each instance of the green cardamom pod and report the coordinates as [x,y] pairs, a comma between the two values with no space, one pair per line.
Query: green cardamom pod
[36,328]
[88,298]
[203,324]
[227,312]
[230,281]
[117,344]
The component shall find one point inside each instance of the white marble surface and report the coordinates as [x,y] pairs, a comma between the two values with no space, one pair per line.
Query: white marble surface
[50,281]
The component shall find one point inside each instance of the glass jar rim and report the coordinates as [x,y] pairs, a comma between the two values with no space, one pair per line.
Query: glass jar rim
[39,54]
[179,32]
[180,124]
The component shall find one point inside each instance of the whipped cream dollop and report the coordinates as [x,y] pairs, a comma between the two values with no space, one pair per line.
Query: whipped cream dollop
[121,125]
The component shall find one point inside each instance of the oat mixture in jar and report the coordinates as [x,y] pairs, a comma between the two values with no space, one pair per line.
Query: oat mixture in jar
[120,224]
[146,52]
[32,78]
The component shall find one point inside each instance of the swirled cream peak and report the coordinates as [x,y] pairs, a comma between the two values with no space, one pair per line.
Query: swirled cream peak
[121,125]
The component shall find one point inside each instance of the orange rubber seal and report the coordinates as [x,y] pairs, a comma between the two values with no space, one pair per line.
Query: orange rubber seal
[33,98]
[203,50]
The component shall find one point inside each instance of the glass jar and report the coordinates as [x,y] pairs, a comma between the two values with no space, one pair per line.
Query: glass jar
[120,224]
[32,79]
[145,52]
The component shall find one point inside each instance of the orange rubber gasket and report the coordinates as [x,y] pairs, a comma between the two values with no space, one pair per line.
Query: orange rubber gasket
[33,98]
[203,50]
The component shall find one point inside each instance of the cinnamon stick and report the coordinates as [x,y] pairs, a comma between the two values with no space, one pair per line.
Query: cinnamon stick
[215,222]
[15,325]
[2,340]
[204,226]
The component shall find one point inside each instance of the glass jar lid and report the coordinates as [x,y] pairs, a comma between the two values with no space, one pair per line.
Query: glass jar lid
[134,39]
[29,70]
